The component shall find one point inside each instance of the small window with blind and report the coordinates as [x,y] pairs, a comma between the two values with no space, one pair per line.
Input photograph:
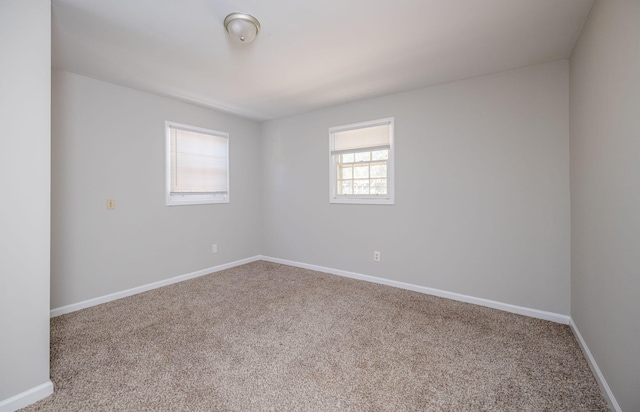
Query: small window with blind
[197,168]
[361,161]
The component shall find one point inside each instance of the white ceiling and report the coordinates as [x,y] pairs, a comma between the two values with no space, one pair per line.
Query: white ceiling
[309,53]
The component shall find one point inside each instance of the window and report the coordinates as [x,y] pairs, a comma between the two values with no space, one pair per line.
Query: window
[197,165]
[361,159]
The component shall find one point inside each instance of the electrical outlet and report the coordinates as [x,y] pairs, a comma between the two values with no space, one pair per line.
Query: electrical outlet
[214,248]
[376,256]
[111,204]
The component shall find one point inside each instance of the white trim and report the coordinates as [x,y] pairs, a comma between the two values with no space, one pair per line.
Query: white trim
[372,200]
[139,289]
[520,310]
[389,198]
[27,397]
[42,391]
[186,199]
[608,394]
[534,313]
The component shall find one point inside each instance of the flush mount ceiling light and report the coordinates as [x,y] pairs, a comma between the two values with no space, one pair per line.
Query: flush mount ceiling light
[242,27]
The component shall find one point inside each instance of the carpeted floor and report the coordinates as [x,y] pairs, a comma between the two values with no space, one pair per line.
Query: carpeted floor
[265,336]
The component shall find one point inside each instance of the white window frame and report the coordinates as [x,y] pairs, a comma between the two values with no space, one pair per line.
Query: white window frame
[177,199]
[387,199]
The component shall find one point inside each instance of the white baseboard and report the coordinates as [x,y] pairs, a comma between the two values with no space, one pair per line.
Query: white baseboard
[44,390]
[139,289]
[534,313]
[594,368]
[27,397]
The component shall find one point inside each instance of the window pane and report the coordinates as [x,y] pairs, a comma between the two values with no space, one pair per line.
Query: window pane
[379,186]
[380,155]
[345,187]
[379,170]
[347,158]
[363,157]
[345,172]
[361,187]
[360,172]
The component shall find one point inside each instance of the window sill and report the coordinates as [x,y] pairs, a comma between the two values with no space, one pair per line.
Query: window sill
[186,201]
[362,201]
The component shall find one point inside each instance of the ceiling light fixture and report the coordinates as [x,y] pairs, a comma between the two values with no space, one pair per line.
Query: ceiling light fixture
[242,27]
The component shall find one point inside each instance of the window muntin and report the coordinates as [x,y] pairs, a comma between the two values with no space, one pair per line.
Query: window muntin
[360,174]
[197,165]
[361,158]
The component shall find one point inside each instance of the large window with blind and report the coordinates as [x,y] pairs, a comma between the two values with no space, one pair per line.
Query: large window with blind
[197,165]
[361,162]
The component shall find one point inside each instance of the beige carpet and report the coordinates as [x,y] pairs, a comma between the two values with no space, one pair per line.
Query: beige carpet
[265,336]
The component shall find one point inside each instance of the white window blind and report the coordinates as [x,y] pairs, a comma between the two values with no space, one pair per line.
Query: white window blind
[198,165]
[357,139]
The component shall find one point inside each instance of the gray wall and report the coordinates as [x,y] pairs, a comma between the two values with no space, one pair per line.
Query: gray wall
[482,190]
[108,142]
[25,61]
[605,193]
